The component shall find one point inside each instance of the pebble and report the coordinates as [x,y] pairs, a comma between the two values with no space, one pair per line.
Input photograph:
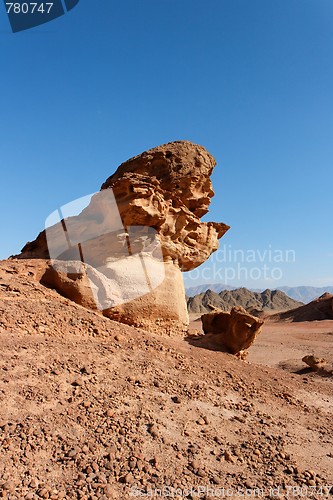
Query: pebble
[34,483]
[95,467]
[9,486]
[154,431]
[77,382]
[228,456]
[108,491]
[43,493]
[311,482]
[132,464]
[129,479]
[195,464]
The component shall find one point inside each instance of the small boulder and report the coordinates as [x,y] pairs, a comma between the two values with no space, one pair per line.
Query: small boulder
[232,332]
[314,363]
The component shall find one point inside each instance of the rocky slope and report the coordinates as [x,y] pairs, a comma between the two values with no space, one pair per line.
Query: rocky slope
[303,294]
[268,300]
[318,310]
[94,409]
[306,294]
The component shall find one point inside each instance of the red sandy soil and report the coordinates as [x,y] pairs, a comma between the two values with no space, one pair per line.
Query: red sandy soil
[283,345]
[93,409]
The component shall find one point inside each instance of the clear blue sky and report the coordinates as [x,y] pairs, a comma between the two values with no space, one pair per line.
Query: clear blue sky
[251,80]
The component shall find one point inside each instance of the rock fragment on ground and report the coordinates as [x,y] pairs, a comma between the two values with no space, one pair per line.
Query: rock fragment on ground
[232,332]
[314,362]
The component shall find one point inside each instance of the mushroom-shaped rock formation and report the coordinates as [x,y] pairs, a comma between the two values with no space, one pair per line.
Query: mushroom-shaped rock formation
[136,236]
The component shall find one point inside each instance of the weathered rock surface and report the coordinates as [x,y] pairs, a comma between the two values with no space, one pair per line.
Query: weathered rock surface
[232,332]
[314,362]
[136,236]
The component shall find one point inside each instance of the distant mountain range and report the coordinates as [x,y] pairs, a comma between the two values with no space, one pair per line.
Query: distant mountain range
[215,287]
[253,302]
[303,294]
[306,294]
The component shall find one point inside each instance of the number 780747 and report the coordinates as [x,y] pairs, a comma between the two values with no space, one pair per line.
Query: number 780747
[29,8]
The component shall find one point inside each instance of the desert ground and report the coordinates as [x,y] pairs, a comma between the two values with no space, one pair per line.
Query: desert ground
[283,345]
[93,409]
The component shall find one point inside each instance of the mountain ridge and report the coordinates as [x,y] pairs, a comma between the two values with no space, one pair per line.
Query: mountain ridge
[305,294]
[254,302]
[317,310]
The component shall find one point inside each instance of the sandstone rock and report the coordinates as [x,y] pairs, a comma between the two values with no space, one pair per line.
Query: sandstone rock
[314,363]
[71,281]
[162,310]
[124,253]
[232,332]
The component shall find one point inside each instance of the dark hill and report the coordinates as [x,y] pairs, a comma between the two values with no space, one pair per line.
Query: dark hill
[268,300]
[317,310]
